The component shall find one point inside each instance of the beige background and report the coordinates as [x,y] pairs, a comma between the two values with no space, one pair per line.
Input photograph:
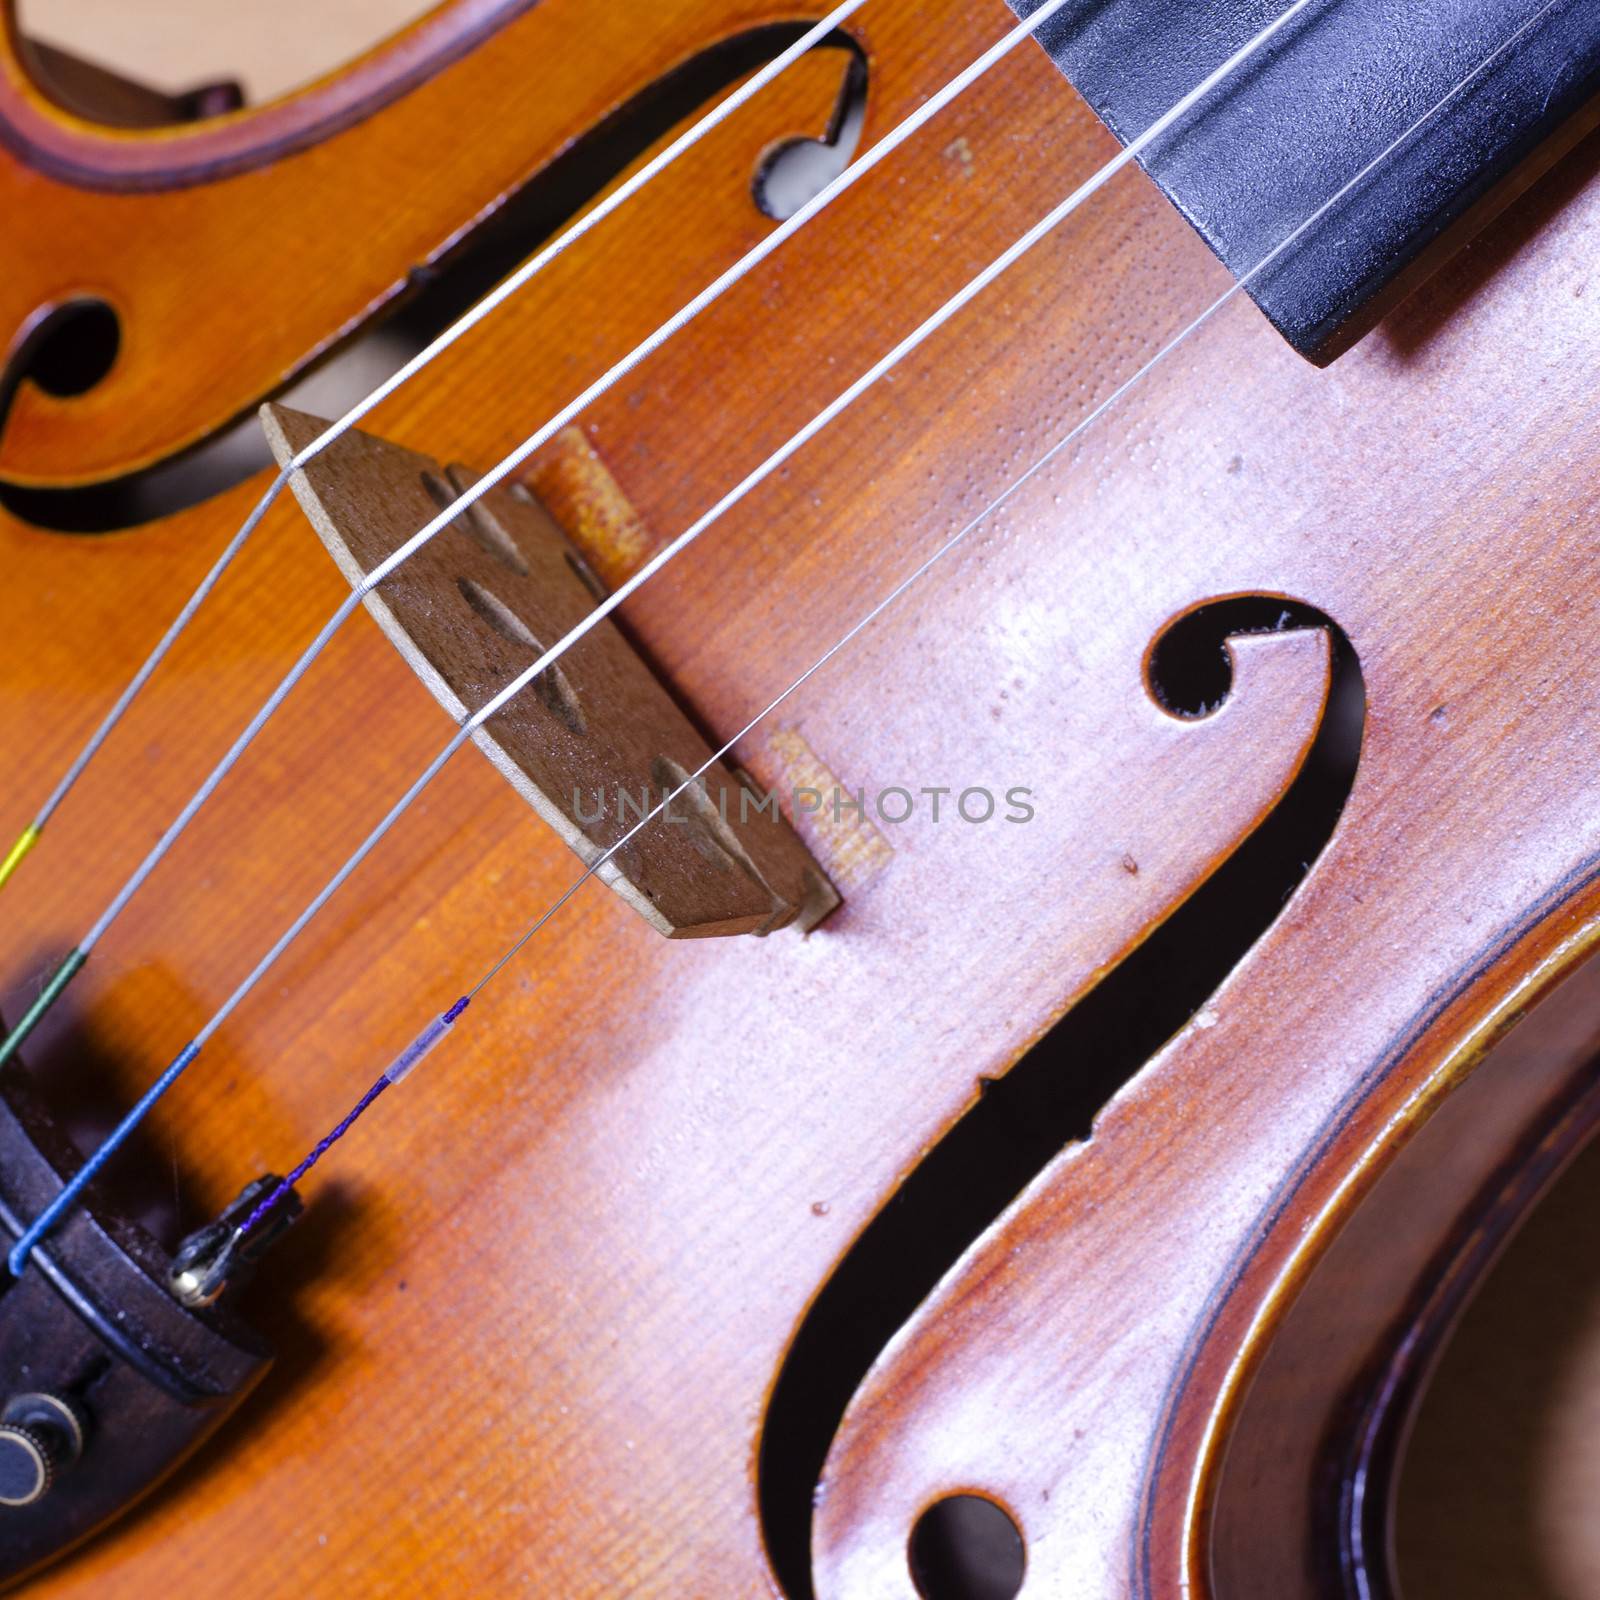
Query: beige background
[268,45]
[1502,1499]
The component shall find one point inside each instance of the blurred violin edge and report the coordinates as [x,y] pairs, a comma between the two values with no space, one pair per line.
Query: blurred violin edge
[1074,523]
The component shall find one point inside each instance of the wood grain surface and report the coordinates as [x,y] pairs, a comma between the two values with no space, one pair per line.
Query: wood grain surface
[1498,1497]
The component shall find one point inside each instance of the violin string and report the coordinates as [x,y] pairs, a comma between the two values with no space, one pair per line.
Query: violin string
[74,960]
[435,1030]
[186,1057]
[425,357]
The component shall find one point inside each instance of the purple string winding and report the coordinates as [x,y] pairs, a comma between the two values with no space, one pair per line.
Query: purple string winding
[398,1068]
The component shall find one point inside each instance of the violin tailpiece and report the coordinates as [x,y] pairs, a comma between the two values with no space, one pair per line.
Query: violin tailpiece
[596,742]
[113,1376]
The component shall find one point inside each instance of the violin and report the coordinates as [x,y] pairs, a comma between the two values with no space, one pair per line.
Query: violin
[1017,931]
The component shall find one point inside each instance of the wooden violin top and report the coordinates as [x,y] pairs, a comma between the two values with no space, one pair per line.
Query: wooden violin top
[546,1316]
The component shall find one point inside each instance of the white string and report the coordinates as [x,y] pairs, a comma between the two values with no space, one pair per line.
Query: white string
[457,330]
[618,197]
[69,1194]
[502,469]
[1007,494]
[796,441]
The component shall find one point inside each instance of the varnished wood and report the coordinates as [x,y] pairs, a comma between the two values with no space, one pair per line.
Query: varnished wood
[598,1218]
[194,265]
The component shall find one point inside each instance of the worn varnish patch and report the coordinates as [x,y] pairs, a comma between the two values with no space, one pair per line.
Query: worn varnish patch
[853,849]
[578,488]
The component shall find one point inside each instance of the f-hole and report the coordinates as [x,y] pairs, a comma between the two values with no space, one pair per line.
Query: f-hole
[794,172]
[66,350]
[436,295]
[1025,1118]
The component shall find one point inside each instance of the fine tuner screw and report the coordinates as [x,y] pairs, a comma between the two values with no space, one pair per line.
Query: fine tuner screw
[41,1435]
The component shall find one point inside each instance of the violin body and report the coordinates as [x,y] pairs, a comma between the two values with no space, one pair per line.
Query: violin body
[552,1325]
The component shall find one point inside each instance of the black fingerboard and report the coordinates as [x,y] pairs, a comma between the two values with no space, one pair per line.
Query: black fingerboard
[1274,143]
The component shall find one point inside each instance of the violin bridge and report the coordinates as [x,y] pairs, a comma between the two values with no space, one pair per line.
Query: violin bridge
[596,742]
